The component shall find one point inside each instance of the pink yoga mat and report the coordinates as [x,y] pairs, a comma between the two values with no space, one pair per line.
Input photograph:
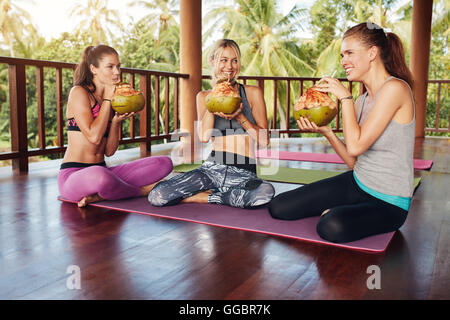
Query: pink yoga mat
[419,164]
[258,220]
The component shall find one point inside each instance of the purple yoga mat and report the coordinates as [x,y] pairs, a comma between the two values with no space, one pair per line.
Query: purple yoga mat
[258,220]
[419,164]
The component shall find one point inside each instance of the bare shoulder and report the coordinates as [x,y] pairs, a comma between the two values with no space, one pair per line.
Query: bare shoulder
[254,95]
[77,101]
[78,92]
[394,98]
[397,89]
[203,94]
[252,90]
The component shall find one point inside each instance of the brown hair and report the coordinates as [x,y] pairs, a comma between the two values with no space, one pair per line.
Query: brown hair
[390,45]
[216,53]
[91,55]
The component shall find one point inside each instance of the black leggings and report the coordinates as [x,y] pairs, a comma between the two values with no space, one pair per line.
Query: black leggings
[353,214]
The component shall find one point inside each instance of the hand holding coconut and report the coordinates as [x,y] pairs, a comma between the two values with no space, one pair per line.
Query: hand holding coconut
[305,125]
[126,99]
[315,109]
[119,117]
[230,116]
[334,86]
[224,100]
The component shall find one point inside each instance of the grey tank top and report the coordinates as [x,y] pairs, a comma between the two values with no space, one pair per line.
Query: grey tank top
[228,127]
[387,166]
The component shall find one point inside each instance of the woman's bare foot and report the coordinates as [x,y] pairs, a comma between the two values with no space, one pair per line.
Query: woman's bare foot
[145,190]
[89,199]
[201,197]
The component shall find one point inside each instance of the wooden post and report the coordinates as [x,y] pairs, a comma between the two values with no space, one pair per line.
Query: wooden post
[190,63]
[18,117]
[145,116]
[41,107]
[419,61]
[59,108]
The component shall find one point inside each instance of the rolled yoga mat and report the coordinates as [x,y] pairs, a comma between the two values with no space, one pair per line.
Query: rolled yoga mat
[419,164]
[257,220]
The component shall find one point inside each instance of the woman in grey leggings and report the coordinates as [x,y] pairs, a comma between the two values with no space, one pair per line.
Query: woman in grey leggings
[228,176]
[235,185]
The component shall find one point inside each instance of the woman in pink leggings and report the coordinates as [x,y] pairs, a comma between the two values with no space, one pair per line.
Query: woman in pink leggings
[93,132]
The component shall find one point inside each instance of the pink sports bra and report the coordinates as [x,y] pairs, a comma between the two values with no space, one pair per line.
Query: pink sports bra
[95,109]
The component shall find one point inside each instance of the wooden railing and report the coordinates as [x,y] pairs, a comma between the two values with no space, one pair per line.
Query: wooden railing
[439,97]
[161,91]
[155,85]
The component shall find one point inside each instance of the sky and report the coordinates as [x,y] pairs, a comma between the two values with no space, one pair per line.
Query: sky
[52,16]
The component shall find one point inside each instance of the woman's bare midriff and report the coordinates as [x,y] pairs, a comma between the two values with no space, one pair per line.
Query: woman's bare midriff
[240,144]
[79,149]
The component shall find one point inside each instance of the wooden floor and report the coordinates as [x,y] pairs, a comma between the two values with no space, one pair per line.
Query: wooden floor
[132,256]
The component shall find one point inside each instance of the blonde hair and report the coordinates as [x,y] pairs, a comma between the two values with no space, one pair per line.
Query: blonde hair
[216,54]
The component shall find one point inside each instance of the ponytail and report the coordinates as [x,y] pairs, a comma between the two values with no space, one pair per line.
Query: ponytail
[390,47]
[91,55]
[394,59]
[83,75]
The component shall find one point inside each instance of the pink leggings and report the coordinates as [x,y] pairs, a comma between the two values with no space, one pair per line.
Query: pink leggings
[113,183]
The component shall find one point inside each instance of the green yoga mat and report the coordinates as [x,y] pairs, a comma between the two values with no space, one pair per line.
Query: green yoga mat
[289,175]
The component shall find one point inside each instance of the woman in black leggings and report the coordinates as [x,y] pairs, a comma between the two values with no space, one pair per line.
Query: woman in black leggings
[349,213]
[375,196]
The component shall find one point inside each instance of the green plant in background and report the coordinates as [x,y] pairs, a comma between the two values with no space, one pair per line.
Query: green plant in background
[97,18]
[15,23]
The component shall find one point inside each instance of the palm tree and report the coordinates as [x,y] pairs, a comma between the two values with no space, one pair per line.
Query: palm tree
[162,19]
[163,13]
[441,17]
[28,42]
[267,42]
[265,36]
[96,16]
[13,22]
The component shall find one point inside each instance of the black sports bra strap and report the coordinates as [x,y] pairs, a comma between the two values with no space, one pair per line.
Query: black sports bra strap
[92,95]
[95,99]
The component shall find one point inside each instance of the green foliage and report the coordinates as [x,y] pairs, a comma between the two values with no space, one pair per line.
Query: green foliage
[15,24]
[67,48]
[97,18]
[323,24]
[144,51]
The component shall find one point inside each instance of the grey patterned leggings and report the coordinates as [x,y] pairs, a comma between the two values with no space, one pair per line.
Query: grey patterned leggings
[229,185]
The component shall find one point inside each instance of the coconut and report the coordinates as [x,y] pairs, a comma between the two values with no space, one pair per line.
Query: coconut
[126,99]
[316,106]
[223,98]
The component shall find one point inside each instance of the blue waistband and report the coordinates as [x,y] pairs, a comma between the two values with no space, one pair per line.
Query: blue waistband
[398,201]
